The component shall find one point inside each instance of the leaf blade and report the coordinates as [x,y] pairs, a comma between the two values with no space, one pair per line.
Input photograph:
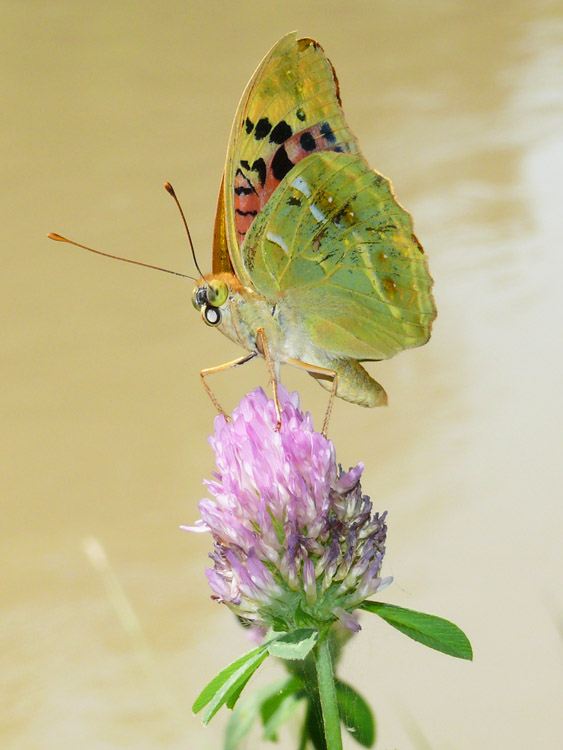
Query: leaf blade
[294,645]
[224,685]
[247,712]
[284,710]
[355,714]
[430,630]
[231,689]
[272,702]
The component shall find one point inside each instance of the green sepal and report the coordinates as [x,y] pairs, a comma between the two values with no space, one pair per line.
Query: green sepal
[355,714]
[294,645]
[434,632]
[227,685]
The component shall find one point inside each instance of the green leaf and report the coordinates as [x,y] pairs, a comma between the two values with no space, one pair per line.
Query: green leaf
[432,631]
[355,714]
[248,710]
[272,702]
[294,645]
[228,683]
[285,709]
[213,685]
[235,694]
[314,726]
[231,690]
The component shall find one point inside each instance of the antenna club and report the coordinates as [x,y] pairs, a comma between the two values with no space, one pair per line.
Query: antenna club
[170,189]
[57,237]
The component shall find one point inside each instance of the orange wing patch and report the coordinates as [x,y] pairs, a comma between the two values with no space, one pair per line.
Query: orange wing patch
[255,183]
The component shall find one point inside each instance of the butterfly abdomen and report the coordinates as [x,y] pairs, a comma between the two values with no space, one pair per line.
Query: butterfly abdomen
[355,384]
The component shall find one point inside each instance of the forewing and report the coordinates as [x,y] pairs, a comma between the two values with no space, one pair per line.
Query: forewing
[289,110]
[221,258]
[335,244]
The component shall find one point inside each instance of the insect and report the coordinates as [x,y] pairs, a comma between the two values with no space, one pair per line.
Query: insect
[315,263]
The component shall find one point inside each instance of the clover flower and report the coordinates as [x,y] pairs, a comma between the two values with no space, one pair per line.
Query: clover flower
[295,542]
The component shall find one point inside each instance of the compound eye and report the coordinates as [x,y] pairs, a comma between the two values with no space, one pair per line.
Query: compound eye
[217,292]
[199,297]
[211,315]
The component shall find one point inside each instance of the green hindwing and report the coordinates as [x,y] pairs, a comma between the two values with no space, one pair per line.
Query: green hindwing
[335,244]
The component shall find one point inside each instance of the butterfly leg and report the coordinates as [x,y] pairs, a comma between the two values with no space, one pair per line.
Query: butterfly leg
[320,373]
[264,349]
[219,368]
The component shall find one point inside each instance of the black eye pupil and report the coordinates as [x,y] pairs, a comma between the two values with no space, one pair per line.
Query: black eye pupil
[201,296]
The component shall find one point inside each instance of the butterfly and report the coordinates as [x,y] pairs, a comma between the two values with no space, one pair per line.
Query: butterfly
[315,263]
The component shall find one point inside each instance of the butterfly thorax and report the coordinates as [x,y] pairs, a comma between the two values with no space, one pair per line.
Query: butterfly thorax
[245,311]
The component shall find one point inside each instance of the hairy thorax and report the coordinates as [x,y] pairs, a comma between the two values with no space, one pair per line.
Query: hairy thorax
[288,340]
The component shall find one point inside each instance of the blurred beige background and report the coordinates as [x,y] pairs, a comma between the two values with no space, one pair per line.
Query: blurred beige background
[105,421]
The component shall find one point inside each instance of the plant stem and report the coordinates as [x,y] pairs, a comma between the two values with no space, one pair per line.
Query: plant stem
[327,694]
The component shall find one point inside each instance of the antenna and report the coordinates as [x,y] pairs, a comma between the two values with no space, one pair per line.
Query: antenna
[170,189]
[59,238]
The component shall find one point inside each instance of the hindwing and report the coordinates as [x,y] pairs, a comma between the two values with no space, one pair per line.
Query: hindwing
[336,245]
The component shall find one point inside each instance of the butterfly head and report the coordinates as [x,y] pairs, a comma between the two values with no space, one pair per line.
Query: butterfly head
[208,297]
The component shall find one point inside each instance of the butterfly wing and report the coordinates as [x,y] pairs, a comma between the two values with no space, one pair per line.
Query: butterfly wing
[221,258]
[289,110]
[306,220]
[336,246]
